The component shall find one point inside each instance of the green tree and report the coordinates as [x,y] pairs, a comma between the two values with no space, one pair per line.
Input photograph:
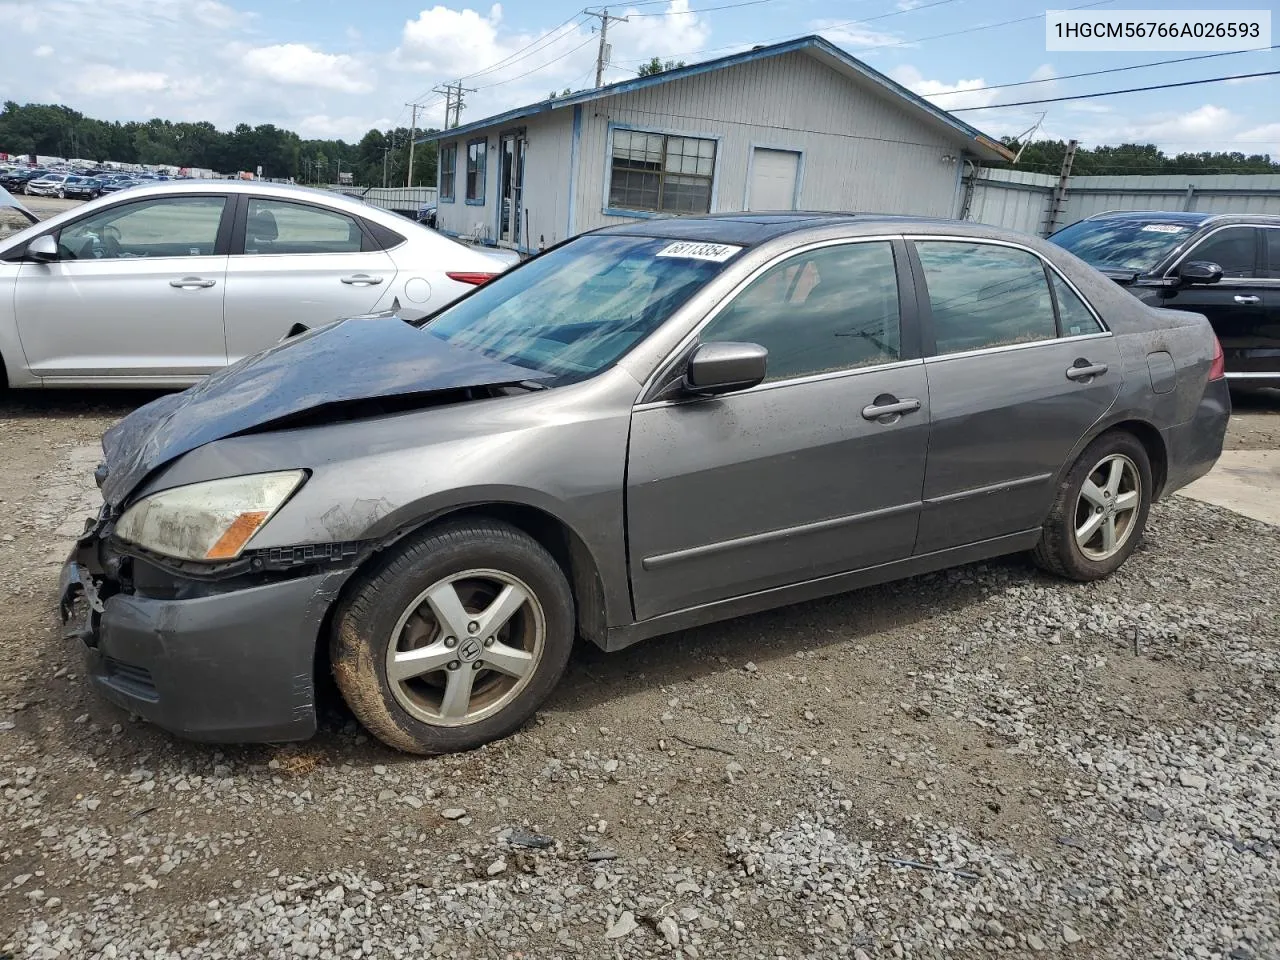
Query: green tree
[658,65]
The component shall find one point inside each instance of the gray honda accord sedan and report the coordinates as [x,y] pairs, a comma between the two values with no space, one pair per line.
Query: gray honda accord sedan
[646,428]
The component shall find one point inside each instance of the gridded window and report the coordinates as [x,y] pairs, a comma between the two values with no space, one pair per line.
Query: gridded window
[653,171]
[448,170]
[476,156]
[984,295]
[1074,317]
[834,308]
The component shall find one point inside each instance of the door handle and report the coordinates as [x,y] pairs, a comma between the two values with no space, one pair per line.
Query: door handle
[362,280]
[1246,300]
[191,282]
[891,407]
[1084,370]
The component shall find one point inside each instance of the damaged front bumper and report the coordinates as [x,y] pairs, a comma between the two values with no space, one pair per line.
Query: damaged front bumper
[208,661]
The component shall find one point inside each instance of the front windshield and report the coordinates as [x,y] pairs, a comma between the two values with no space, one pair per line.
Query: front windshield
[1129,245]
[576,310]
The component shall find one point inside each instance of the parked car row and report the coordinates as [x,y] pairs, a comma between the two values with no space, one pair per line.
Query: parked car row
[64,183]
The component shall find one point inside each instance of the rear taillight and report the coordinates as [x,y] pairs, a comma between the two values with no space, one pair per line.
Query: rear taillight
[475,279]
[1217,369]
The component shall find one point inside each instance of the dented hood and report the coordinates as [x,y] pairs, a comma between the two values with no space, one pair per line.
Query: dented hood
[350,360]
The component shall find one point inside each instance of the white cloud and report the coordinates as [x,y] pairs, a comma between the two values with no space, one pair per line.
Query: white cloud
[449,42]
[44,50]
[300,65]
[854,38]
[103,80]
[1043,72]
[962,93]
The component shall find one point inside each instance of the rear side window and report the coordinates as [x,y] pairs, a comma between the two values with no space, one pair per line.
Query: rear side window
[1074,317]
[982,295]
[834,308]
[1233,249]
[282,227]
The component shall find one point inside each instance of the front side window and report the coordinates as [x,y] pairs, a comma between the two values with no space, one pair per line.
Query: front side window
[577,309]
[448,170]
[278,226]
[1232,249]
[164,227]
[834,308]
[661,172]
[982,295]
[476,157]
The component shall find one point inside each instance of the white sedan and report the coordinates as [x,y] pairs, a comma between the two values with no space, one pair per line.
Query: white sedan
[161,285]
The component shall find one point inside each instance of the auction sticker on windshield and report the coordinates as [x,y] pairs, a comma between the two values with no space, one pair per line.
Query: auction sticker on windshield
[717,252]
[1162,228]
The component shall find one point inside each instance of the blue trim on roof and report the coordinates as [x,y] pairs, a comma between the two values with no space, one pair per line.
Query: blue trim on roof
[811,42]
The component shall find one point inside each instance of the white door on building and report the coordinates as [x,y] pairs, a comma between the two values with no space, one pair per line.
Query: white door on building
[773,179]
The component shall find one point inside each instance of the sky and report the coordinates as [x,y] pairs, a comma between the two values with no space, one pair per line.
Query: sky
[335,69]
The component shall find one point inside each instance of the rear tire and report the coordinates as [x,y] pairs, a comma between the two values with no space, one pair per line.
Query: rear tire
[455,639]
[1100,512]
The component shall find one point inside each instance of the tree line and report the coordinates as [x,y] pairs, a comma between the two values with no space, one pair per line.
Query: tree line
[54,130]
[1045,156]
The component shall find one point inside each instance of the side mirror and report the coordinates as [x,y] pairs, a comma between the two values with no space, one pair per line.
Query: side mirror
[1199,271]
[42,249]
[716,368]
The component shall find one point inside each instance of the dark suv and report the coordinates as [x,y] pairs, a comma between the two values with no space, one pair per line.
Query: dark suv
[1225,266]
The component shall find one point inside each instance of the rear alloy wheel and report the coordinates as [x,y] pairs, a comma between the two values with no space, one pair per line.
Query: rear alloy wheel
[456,639]
[1100,511]
[62,194]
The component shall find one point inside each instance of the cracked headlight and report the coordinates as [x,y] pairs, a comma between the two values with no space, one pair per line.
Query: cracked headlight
[208,521]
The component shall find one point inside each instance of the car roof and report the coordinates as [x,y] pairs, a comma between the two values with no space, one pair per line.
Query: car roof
[748,229]
[1192,218]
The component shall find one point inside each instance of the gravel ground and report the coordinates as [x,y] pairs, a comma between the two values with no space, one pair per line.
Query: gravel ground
[982,761]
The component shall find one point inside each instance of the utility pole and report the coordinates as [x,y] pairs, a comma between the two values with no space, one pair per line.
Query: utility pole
[453,102]
[602,54]
[413,131]
[384,165]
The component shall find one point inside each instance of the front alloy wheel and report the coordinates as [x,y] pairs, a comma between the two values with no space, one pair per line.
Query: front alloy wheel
[465,647]
[455,638]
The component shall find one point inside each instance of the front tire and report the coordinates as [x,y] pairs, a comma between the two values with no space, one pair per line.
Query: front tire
[1100,511]
[455,639]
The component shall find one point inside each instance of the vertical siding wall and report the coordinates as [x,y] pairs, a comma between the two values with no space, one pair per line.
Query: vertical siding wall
[861,151]
[1020,200]
[546,183]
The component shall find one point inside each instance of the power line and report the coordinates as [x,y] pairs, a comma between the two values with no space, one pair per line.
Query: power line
[1095,73]
[498,83]
[683,13]
[1112,93]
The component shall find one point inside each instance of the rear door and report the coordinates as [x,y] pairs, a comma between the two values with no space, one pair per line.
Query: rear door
[1237,305]
[1021,369]
[799,477]
[135,295]
[295,262]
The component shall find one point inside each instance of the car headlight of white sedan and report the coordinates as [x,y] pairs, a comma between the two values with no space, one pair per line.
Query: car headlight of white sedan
[207,521]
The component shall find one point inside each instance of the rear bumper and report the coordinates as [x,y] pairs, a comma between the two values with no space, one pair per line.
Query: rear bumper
[225,667]
[1194,446]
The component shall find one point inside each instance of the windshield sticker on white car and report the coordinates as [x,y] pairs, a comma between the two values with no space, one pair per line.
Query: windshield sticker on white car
[717,252]
[1161,228]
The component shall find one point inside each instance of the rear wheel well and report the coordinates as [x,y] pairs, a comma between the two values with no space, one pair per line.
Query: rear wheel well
[1153,442]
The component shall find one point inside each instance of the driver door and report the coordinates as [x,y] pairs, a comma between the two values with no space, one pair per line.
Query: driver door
[135,296]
